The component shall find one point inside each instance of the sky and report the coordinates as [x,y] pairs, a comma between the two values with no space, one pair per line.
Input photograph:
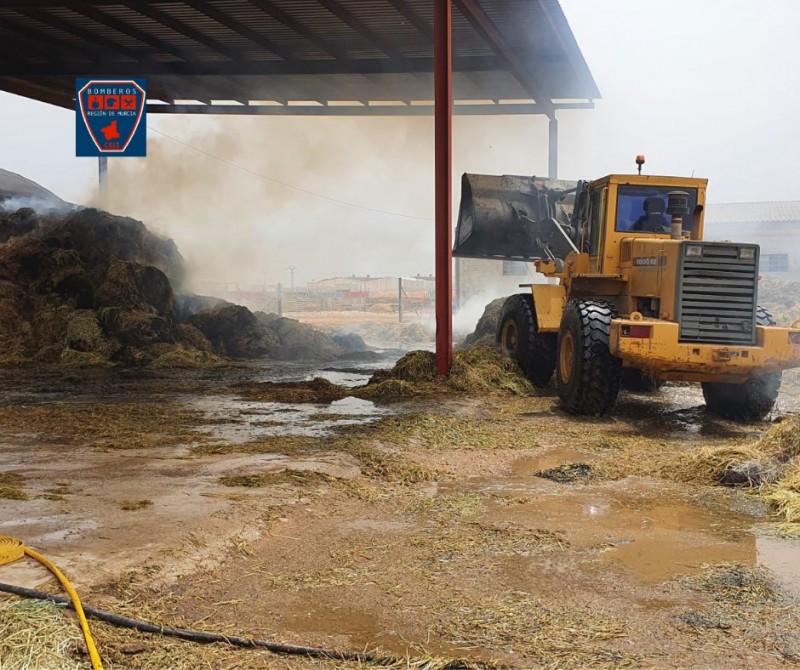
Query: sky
[707,88]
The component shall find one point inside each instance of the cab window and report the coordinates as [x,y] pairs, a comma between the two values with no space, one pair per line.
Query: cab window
[644,208]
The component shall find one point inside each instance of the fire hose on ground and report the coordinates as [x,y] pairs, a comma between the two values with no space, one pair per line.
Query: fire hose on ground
[12,550]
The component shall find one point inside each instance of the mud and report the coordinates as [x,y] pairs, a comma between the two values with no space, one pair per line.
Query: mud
[479,558]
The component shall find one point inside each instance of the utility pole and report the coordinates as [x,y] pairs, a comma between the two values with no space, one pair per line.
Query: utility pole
[552,151]
[400,300]
[102,178]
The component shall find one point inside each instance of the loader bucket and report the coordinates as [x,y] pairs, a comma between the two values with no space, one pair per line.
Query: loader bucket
[499,216]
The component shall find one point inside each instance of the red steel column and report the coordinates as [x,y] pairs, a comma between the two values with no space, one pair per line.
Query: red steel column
[443,121]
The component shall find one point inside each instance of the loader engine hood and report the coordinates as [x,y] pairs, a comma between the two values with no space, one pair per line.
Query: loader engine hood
[513,217]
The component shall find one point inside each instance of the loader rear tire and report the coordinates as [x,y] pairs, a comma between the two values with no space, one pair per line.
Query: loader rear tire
[588,376]
[751,401]
[518,336]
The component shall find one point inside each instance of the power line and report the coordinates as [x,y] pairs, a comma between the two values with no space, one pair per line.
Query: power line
[284,184]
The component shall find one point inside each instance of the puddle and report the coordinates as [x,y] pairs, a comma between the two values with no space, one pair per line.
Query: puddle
[362,628]
[238,421]
[654,535]
[348,378]
[782,556]
[356,407]
[528,466]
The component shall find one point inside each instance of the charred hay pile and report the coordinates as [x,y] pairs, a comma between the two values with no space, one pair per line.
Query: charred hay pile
[81,287]
[486,328]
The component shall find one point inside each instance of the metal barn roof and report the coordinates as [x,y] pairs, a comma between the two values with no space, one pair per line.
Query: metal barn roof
[754,212]
[296,56]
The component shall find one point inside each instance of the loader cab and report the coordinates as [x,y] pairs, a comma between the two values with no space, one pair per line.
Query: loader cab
[619,207]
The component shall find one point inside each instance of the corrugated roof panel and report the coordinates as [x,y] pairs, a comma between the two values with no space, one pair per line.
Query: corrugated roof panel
[754,212]
[71,18]
[176,43]
[392,27]
[187,41]
[196,20]
[277,32]
[324,23]
[48,33]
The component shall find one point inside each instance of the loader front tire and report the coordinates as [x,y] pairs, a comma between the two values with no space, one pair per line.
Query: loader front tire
[751,401]
[518,336]
[588,376]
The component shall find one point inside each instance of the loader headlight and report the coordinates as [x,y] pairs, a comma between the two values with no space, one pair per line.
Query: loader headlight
[747,253]
[694,250]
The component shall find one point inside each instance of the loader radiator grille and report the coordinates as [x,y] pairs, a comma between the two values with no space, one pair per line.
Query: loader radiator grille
[717,294]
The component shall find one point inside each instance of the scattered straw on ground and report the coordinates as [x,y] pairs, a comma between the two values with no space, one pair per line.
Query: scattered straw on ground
[340,575]
[448,504]
[288,476]
[521,624]
[465,541]
[107,425]
[378,463]
[317,390]
[744,609]
[11,486]
[734,584]
[443,432]
[38,635]
[289,445]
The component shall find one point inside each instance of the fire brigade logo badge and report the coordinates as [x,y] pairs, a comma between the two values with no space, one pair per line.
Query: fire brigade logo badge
[110,117]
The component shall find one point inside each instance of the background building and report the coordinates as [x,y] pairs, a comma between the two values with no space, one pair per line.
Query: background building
[775,226]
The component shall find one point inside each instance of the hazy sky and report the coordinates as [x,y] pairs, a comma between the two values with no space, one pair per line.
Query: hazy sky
[706,87]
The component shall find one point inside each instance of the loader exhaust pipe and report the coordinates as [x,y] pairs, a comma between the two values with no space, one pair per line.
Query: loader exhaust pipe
[677,207]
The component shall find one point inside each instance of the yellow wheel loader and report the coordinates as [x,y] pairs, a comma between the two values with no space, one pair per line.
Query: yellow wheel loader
[635,296]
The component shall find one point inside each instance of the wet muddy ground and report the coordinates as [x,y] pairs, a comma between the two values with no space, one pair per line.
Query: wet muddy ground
[488,528]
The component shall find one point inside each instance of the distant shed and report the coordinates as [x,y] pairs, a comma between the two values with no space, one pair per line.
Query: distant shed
[775,226]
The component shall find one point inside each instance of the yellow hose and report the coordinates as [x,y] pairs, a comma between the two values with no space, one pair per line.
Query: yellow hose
[12,550]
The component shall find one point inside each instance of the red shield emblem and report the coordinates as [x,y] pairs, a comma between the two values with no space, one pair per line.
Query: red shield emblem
[112,113]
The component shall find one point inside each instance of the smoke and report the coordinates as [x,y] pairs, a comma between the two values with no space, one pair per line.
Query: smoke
[236,227]
[469,312]
[466,317]
[39,204]
[221,198]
